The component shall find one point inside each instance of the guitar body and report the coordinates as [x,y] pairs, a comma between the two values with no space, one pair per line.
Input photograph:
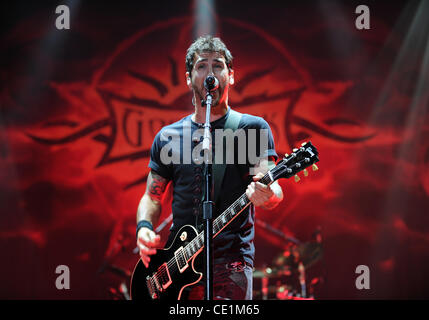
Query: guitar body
[179,280]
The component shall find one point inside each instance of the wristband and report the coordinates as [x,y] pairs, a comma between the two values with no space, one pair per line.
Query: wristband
[143,223]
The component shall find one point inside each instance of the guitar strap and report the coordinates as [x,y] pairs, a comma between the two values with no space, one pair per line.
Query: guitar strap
[218,170]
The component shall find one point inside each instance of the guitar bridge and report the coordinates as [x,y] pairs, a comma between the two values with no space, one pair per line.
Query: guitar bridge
[151,288]
[160,281]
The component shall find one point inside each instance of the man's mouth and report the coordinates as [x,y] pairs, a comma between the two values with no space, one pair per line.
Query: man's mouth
[215,96]
[212,92]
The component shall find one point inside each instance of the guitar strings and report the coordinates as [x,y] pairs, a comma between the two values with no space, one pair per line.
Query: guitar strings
[195,243]
[217,224]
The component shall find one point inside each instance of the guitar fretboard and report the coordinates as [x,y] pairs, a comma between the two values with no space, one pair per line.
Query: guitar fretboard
[222,220]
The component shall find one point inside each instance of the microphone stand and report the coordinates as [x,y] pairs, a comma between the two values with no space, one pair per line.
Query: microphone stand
[208,204]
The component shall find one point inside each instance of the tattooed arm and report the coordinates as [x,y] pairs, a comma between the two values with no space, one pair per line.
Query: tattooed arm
[150,204]
[150,209]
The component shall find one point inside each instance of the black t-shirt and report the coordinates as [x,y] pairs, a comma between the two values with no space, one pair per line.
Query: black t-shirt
[172,158]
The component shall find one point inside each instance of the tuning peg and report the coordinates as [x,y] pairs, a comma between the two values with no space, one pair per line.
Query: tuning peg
[286,155]
[296,178]
[294,149]
[305,173]
[314,167]
[303,144]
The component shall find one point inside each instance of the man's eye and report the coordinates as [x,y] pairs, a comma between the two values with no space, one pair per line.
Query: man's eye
[201,66]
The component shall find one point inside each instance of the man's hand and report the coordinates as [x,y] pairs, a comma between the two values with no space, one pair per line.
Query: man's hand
[147,242]
[262,195]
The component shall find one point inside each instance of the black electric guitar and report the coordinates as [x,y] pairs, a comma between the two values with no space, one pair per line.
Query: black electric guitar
[172,269]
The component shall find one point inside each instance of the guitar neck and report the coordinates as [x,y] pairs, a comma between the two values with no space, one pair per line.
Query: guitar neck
[223,220]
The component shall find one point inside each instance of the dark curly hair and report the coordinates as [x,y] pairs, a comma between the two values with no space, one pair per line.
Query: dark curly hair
[207,44]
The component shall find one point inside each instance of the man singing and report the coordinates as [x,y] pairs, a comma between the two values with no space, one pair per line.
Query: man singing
[234,250]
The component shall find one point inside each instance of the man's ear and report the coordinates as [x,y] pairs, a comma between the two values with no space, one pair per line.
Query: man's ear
[231,77]
[188,80]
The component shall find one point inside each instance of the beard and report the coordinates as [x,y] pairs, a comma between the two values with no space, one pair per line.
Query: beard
[200,93]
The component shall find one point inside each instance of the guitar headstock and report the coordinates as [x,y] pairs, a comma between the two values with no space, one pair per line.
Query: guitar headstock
[299,160]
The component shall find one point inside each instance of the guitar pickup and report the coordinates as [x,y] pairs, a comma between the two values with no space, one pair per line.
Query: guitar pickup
[182,264]
[151,286]
[164,276]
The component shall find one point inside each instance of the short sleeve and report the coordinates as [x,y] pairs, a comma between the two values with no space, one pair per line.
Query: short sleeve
[271,150]
[155,162]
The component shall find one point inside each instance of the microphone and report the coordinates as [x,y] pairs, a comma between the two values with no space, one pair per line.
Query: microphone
[211,83]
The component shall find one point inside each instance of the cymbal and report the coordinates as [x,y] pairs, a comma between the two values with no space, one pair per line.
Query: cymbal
[308,253]
[270,273]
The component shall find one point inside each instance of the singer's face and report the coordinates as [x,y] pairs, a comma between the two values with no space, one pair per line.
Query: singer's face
[206,63]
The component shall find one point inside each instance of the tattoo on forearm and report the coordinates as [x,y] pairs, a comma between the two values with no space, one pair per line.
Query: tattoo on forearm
[156,186]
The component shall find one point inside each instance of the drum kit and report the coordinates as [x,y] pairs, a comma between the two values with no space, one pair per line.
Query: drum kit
[286,277]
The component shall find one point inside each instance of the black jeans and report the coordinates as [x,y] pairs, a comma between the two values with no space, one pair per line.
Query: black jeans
[232,281]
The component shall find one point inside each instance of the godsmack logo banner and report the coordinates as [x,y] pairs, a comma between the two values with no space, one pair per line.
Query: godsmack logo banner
[80,108]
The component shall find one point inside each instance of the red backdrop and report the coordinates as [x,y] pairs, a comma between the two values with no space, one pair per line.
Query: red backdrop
[80,108]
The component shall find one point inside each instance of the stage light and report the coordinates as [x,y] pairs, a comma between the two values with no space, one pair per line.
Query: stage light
[205,18]
[403,101]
